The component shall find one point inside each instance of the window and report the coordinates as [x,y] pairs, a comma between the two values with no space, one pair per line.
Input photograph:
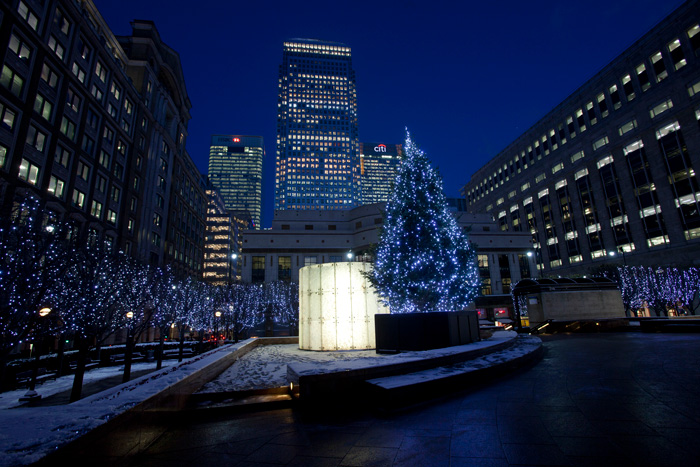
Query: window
[643,77]
[157,220]
[78,72]
[11,81]
[155,239]
[62,156]
[657,63]
[28,172]
[615,96]
[160,202]
[115,90]
[694,38]
[72,100]
[627,87]
[128,108]
[19,47]
[96,209]
[557,167]
[112,217]
[88,144]
[116,194]
[108,135]
[118,171]
[627,127]
[36,139]
[100,71]
[7,118]
[56,187]
[49,76]
[597,144]
[136,183]
[56,47]
[112,110]
[83,49]
[309,260]
[96,93]
[28,15]
[61,22]
[575,157]
[540,177]
[676,52]
[92,119]
[101,184]
[258,268]
[694,89]
[83,171]
[525,186]
[68,128]
[3,155]
[161,183]
[104,159]
[580,121]
[660,108]
[590,111]
[602,105]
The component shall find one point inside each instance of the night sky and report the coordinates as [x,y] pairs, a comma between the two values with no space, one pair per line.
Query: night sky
[465,77]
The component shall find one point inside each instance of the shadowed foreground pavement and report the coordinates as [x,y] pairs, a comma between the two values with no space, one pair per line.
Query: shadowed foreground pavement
[594,399]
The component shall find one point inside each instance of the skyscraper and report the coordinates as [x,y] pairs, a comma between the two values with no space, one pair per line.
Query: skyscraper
[236,170]
[316,127]
[379,163]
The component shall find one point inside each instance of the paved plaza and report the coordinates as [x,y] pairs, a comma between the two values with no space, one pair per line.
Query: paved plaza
[594,399]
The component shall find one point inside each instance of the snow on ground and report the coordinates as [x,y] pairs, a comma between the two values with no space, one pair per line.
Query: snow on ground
[266,366]
[10,399]
[29,433]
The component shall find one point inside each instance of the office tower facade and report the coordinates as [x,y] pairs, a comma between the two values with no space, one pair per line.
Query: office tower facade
[236,170]
[379,163]
[94,125]
[317,133]
[220,243]
[613,168]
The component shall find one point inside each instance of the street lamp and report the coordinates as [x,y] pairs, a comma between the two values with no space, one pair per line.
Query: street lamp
[31,395]
[217,314]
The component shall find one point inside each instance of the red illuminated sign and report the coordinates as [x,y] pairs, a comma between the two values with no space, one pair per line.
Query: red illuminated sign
[236,140]
[380,148]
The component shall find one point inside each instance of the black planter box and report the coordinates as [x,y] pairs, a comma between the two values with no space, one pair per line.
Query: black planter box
[425,331]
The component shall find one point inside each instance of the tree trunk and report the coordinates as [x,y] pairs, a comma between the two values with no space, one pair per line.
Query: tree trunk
[77,390]
[182,344]
[127,357]
[161,347]
[60,355]
[35,368]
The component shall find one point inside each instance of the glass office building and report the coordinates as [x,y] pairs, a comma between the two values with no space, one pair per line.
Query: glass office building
[236,170]
[317,135]
[379,164]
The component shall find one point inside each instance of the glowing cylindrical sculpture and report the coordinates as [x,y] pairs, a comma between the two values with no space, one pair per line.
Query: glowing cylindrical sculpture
[337,305]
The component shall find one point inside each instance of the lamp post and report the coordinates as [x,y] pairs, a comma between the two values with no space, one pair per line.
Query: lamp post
[217,315]
[232,274]
[31,395]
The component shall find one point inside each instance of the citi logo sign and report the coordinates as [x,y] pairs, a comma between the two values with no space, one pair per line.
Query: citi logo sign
[380,148]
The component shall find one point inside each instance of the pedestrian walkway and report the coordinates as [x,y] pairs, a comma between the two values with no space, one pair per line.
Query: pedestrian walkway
[594,399]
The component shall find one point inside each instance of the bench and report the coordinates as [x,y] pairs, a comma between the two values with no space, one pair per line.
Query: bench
[89,365]
[175,353]
[24,378]
[120,358]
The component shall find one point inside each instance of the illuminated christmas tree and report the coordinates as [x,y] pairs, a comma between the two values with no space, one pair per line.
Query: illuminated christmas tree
[423,260]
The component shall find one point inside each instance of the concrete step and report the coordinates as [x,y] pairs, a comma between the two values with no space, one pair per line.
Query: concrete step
[399,390]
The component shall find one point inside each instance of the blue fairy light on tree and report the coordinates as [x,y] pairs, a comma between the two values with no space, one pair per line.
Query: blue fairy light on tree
[423,261]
